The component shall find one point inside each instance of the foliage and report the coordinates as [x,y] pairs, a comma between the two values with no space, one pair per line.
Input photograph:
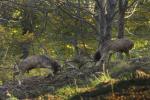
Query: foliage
[52,26]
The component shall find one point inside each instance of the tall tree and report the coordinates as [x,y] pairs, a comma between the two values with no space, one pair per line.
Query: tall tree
[122,9]
[105,13]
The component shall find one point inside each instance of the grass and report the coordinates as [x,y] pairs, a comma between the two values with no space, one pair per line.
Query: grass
[70,90]
[104,77]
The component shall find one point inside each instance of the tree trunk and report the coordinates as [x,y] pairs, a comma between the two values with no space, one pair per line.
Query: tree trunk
[121,21]
[105,11]
[122,9]
[27,23]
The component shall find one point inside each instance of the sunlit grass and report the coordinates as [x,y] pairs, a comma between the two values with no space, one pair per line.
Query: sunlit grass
[102,78]
[39,72]
[66,92]
[70,90]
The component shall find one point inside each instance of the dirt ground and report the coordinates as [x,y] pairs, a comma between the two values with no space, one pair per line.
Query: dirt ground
[138,87]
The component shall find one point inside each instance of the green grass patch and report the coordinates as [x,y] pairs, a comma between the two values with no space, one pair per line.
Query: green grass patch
[70,90]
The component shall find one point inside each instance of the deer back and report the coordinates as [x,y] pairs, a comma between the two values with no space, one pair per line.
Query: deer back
[38,61]
[121,45]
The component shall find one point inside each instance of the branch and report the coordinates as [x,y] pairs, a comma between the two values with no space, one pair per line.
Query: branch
[132,12]
[77,17]
[98,3]
[127,8]
[22,6]
[132,3]
[81,8]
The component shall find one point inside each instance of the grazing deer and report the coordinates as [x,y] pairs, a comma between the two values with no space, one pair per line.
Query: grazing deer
[36,61]
[108,47]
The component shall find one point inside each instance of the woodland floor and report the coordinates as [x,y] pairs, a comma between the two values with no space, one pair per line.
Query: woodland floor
[137,88]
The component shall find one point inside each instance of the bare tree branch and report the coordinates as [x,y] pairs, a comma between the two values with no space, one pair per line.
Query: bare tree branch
[132,12]
[77,17]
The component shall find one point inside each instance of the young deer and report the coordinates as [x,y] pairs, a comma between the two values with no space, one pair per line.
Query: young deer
[108,47]
[36,61]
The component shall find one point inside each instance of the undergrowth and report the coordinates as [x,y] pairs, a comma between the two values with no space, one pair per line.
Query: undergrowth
[70,90]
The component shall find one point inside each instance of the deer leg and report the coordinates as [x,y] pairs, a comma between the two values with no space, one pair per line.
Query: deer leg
[109,58]
[106,60]
[103,66]
[127,54]
[119,55]
[20,78]
[51,74]
[14,75]
[103,61]
[15,71]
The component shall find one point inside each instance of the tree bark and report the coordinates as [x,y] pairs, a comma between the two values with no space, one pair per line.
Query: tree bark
[121,21]
[105,11]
